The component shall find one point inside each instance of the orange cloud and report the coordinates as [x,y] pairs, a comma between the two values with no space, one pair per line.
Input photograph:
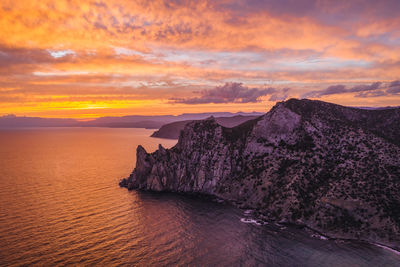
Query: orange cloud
[122,56]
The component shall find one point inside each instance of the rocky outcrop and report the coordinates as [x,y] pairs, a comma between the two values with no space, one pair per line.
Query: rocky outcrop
[333,168]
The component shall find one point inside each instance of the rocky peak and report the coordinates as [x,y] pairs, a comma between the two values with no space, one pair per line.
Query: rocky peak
[199,131]
[382,122]
[324,165]
[278,124]
[141,159]
[211,118]
[161,148]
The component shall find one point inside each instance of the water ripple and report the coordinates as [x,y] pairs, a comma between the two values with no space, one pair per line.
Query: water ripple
[61,205]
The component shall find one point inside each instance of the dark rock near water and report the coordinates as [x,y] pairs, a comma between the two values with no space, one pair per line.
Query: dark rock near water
[334,169]
[123,182]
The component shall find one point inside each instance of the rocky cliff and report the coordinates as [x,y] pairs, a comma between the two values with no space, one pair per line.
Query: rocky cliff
[332,168]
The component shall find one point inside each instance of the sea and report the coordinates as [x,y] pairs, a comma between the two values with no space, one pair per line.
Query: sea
[60,205]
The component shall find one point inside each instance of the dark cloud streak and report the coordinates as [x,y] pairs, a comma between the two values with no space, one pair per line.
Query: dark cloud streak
[372,90]
[280,96]
[228,93]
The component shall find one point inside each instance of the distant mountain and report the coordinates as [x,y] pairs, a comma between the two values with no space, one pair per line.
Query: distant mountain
[134,121]
[201,116]
[149,124]
[11,121]
[173,129]
[327,167]
[155,122]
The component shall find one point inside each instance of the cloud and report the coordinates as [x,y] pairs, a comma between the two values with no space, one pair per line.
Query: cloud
[394,87]
[334,89]
[364,88]
[394,83]
[60,53]
[375,89]
[331,90]
[228,93]
[280,96]
[114,50]
[322,9]
[376,93]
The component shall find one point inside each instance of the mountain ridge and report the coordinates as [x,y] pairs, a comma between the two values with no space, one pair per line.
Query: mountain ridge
[305,162]
[130,121]
[173,129]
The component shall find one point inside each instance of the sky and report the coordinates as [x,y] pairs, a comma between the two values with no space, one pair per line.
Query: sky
[85,59]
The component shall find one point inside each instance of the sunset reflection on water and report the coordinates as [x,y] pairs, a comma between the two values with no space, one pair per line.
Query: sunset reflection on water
[61,205]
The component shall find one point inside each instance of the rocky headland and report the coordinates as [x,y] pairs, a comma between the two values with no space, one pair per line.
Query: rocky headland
[331,168]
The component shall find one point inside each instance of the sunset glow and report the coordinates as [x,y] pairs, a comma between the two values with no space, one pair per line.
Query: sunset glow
[87,59]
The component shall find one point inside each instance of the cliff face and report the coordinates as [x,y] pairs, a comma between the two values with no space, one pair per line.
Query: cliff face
[333,168]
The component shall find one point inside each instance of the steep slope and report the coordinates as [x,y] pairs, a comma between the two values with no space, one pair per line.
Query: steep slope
[306,162]
[172,130]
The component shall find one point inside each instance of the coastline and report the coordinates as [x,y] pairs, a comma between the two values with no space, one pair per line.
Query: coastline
[260,218]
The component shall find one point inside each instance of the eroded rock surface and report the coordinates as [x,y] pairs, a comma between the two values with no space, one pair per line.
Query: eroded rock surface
[333,168]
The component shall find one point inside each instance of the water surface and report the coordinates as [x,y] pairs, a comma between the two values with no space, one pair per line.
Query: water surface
[60,204]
